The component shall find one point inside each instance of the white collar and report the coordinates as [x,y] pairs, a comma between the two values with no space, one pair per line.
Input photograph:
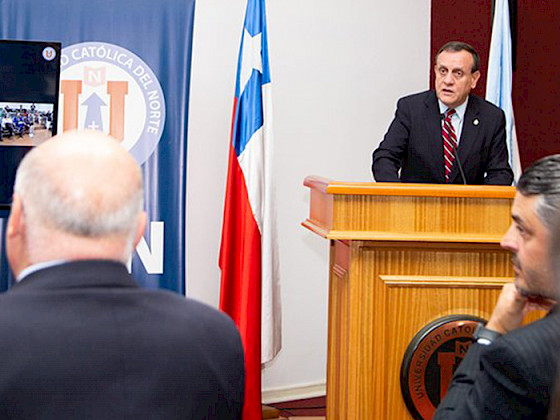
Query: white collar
[459,111]
[36,267]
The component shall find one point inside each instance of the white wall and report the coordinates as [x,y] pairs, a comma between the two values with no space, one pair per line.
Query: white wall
[337,70]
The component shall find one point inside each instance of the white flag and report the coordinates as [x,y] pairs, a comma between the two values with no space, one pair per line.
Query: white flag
[500,77]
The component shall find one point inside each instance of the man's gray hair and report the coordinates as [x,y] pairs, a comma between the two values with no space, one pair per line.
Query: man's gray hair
[542,178]
[457,46]
[73,211]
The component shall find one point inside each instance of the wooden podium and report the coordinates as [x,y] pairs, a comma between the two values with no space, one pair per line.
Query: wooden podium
[401,256]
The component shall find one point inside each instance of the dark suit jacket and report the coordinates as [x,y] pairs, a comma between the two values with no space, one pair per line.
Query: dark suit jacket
[83,341]
[511,378]
[414,144]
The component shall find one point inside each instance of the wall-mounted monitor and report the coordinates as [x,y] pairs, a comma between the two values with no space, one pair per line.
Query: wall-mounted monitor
[29,86]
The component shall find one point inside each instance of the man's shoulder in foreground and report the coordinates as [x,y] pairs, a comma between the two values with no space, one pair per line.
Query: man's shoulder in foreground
[536,345]
[81,284]
[510,379]
[163,355]
[524,363]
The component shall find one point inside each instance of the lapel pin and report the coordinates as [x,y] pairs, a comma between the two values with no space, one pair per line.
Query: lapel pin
[475,121]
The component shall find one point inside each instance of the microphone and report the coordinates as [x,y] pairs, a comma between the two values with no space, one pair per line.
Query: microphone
[459,164]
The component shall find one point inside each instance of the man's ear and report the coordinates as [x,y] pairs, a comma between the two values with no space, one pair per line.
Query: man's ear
[475,77]
[16,220]
[140,227]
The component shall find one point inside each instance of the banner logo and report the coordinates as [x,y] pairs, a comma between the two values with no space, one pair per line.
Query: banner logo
[430,360]
[107,88]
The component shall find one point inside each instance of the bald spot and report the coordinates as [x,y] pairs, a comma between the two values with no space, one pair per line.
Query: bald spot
[82,183]
[90,169]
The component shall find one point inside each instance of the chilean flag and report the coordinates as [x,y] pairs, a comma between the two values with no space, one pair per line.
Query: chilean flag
[248,256]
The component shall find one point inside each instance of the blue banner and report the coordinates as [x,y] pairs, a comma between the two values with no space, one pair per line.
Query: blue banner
[126,71]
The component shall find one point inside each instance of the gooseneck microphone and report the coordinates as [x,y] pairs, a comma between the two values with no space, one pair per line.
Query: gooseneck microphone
[458,161]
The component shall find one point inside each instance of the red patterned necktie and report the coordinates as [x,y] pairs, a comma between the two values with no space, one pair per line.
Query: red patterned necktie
[449,142]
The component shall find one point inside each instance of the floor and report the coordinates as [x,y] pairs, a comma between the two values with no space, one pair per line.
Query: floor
[40,135]
[309,409]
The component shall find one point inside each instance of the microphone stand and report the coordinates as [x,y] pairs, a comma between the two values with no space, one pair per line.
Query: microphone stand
[459,164]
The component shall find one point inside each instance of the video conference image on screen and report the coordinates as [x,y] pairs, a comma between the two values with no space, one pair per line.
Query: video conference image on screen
[25,124]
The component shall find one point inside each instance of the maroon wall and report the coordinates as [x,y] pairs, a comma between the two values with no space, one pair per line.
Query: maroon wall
[536,81]
[467,21]
[536,90]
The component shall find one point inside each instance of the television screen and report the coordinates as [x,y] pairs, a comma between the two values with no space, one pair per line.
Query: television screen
[29,85]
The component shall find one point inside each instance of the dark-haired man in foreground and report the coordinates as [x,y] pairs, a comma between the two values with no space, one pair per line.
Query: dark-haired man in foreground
[510,371]
[79,338]
[436,134]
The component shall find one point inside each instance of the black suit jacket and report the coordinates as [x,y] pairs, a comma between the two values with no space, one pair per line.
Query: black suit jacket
[83,341]
[414,144]
[511,378]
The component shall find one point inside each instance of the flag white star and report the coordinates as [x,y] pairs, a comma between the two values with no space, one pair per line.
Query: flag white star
[251,58]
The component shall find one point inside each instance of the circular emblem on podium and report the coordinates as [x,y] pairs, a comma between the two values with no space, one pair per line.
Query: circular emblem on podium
[431,359]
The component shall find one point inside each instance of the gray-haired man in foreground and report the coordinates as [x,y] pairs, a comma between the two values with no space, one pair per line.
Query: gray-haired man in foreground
[509,373]
[78,337]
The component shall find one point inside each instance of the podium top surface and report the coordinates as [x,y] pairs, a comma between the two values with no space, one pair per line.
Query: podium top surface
[416,190]
[408,212]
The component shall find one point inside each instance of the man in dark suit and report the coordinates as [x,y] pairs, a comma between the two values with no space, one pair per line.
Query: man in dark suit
[510,371]
[414,143]
[79,339]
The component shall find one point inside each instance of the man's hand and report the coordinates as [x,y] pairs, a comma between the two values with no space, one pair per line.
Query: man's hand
[511,308]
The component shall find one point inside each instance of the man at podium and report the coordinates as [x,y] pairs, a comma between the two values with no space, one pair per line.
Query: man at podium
[446,135]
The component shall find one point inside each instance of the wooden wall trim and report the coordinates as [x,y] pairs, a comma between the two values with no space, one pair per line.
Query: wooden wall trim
[446,281]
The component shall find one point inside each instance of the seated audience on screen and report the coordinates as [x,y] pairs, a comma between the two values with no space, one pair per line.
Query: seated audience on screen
[510,371]
[79,339]
[446,135]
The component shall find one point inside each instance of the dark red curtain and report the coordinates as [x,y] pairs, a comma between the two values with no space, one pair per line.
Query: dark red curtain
[536,80]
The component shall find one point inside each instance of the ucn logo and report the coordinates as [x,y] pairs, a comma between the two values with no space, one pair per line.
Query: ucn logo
[108,88]
[49,53]
[430,360]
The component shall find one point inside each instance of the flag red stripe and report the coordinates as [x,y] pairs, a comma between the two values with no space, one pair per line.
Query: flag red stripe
[240,297]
